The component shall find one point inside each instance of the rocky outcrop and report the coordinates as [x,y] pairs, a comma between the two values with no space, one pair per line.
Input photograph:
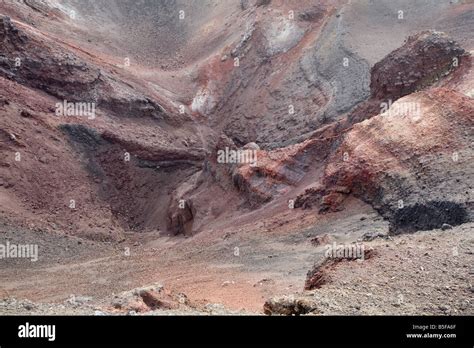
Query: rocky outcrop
[290,305]
[263,175]
[423,60]
[416,185]
[406,70]
[429,215]
[10,36]
[147,299]
[383,161]
[48,67]
[181,211]
[302,118]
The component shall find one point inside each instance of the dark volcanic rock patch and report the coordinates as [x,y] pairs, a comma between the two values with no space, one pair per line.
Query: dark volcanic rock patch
[424,59]
[427,216]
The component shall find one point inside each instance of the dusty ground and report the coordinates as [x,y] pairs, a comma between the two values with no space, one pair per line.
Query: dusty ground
[426,272]
[260,260]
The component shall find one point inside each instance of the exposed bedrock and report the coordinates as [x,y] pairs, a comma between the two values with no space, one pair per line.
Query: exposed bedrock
[415,169]
[428,216]
[49,67]
[138,189]
[423,60]
[279,169]
[411,161]
[269,107]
